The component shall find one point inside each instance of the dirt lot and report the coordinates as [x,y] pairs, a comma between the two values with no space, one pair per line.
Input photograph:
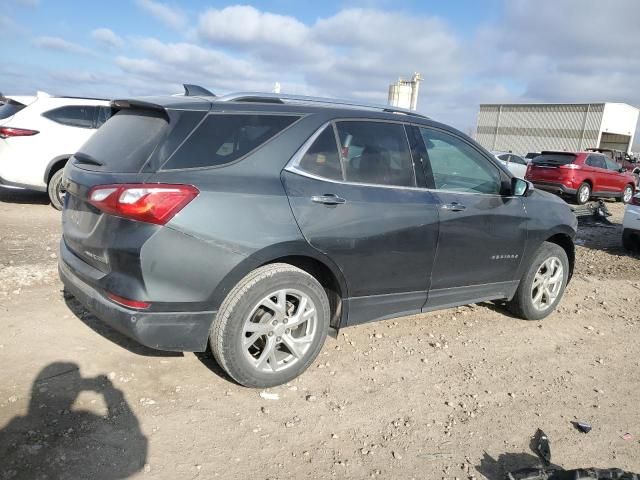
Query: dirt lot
[451,394]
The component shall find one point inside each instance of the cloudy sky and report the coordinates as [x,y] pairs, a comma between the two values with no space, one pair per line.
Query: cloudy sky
[468,51]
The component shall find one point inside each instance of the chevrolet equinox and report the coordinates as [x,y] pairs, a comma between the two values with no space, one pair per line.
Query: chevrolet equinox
[256,223]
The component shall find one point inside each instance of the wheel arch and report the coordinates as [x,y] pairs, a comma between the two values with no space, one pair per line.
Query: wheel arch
[565,241]
[54,165]
[299,254]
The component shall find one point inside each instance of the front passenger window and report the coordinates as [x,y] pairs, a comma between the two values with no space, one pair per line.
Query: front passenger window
[457,166]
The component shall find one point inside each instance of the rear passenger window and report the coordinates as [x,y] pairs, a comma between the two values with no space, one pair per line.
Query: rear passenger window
[73,116]
[376,153]
[322,158]
[221,139]
[597,161]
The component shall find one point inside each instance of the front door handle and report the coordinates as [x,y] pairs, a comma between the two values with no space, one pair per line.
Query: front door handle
[328,199]
[453,207]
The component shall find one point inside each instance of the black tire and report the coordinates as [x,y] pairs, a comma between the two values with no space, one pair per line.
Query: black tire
[625,193]
[55,191]
[581,197]
[226,334]
[630,242]
[522,303]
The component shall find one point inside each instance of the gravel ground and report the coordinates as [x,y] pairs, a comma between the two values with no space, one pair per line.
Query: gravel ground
[451,394]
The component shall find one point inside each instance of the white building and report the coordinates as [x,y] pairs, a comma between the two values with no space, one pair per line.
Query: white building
[523,128]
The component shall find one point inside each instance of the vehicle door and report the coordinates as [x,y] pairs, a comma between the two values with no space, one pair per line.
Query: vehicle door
[599,174]
[615,179]
[355,195]
[482,231]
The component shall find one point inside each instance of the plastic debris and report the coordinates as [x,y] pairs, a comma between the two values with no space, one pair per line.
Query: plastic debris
[542,447]
[627,436]
[269,396]
[584,427]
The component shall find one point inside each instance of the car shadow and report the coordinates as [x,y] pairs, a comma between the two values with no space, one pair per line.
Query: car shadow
[18,195]
[90,320]
[208,360]
[498,468]
[63,437]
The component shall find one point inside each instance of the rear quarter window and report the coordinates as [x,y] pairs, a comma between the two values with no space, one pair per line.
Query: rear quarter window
[73,116]
[223,138]
[10,108]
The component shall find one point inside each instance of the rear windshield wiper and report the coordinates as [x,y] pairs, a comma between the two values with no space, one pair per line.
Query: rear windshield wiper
[87,159]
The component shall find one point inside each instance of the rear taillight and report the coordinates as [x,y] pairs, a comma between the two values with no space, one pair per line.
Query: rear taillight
[6,132]
[145,202]
[125,302]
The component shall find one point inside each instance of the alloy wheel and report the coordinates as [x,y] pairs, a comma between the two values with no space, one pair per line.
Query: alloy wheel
[627,194]
[279,330]
[547,284]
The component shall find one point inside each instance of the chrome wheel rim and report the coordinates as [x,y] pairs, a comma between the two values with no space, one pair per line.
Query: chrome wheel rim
[547,284]
[584,194]
[626,196]
[279,331]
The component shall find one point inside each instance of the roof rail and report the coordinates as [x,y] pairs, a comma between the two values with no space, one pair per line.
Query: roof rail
[285,98]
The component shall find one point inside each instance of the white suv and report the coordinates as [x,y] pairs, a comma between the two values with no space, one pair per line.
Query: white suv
[631,225]
[39,133]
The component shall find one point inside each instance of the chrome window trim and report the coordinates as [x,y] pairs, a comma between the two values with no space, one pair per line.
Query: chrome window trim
[293,164]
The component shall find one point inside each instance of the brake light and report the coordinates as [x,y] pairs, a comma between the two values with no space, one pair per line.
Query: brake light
[6,132]
[144,202]
[125,302]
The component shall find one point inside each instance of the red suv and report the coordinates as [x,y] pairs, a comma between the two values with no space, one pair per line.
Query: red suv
[582,175]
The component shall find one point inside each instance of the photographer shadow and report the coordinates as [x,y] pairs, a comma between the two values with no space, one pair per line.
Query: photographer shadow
[56,439]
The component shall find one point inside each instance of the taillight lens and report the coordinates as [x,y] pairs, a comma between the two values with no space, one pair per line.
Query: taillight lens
[6,132]
[145,202]
[125,302]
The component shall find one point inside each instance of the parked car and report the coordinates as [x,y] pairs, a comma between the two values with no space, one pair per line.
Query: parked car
[39,133]
[254,223]
[514,163]
[582,175]
[631,225]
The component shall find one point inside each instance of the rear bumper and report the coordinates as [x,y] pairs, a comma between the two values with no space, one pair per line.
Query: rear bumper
[554,187]
[173,331]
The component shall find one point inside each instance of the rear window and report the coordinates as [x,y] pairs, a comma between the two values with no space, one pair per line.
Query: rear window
[10,108]
[124,143]
[554,159]
[224,138]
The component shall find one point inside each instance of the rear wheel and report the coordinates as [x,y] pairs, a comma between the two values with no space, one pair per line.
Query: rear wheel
[271,326]
[627,194]
[583,194]
[542,286]
[55,190]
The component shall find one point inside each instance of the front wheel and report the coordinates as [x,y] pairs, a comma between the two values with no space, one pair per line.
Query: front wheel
[583,194]
[55,190]
[271,326]
[627,194]
[542,286]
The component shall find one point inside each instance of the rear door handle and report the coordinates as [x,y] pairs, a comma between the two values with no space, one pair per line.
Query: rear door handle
[328,199]
[453,207]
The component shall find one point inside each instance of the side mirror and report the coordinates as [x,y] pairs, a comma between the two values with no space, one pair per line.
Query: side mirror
[622,170]
[521,188]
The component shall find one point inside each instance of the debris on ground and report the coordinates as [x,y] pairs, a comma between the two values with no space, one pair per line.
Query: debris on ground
[593,214]
[542,446]
[577,474]
[269,396]
[584,427]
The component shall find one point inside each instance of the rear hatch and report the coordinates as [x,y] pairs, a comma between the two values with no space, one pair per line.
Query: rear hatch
[550,166]
[129,148]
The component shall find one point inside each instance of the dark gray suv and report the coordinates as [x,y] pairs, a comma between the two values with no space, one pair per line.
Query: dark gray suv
[256,223]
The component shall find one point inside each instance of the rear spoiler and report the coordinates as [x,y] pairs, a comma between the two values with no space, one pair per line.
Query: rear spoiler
[117,105]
